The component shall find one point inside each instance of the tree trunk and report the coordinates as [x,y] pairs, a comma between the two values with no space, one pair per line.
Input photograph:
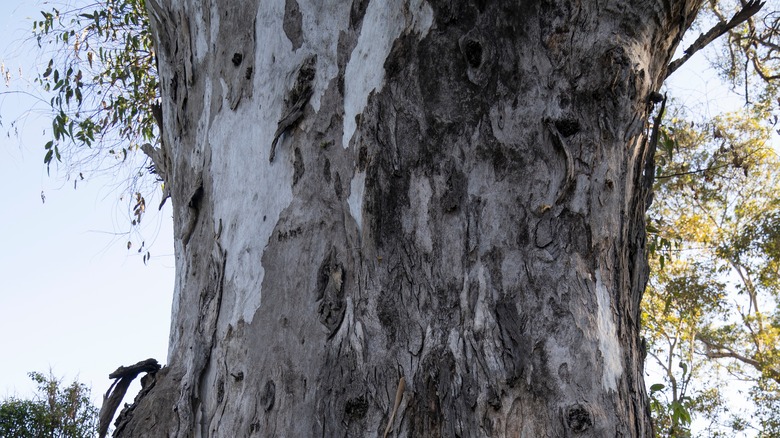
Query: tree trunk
[454,205]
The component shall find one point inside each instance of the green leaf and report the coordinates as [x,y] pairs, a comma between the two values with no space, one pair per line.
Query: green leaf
[684,367]
[48,70]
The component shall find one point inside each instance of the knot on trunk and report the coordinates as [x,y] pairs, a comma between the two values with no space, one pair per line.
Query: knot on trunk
[330,294]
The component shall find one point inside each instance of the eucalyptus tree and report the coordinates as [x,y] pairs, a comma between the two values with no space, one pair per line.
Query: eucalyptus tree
[56,410]
[413,216]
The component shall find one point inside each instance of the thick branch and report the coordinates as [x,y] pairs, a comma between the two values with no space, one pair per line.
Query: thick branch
[718,351]
[145,366]
[116,392]
[691,172]
[750,9]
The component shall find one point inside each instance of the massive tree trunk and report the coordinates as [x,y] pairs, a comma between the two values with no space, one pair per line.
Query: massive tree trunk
[445,197]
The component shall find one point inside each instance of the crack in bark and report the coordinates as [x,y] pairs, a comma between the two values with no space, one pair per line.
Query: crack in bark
[210,316]
[296,100]
[560,144]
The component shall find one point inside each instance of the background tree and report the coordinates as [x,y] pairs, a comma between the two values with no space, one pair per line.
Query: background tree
[715,303]
[711,308]
[55,411]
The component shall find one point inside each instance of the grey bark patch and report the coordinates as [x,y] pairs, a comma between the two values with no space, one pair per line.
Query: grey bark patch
[568,126]
[236,46]
[355,408]
[563,372]
[578,419]
[296,99]
[290,233]
[298,167]
[337,186]
[426,406]
[522,236]
[387,312]
[400,56]
[617,65]
[578,231]
[357,12]
[268,396]
[493,260]
[517,344]
[326,170]
[493,399]
[479,55]
[220,390]
[386,197]
[330,294]
[544,232]
[443,398]
[455,189]
[472,49]
[293,23]
[362,158]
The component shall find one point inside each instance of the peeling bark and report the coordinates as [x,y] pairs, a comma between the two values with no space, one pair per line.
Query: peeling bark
[457,210]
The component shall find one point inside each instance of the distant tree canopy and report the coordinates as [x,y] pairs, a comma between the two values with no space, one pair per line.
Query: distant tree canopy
[711,308]
[711,313]
[56,411]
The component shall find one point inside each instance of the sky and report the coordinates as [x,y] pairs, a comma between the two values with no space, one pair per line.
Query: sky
[73,299]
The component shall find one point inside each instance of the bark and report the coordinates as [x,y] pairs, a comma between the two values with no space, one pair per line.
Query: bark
[457,199]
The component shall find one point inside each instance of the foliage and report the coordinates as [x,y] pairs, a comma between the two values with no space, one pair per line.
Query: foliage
[750,57]
[712,306]
[767,394]
[55,411]
[710,311]
[103,76]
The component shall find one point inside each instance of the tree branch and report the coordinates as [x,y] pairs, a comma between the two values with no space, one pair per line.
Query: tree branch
[124,376]
[691,172]
[750,9]
[718,351]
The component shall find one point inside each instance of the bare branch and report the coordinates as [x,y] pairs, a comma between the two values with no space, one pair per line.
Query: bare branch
[750,9]
[717,351]
[116,392]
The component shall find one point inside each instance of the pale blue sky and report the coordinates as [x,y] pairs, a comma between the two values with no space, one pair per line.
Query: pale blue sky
[73,299]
